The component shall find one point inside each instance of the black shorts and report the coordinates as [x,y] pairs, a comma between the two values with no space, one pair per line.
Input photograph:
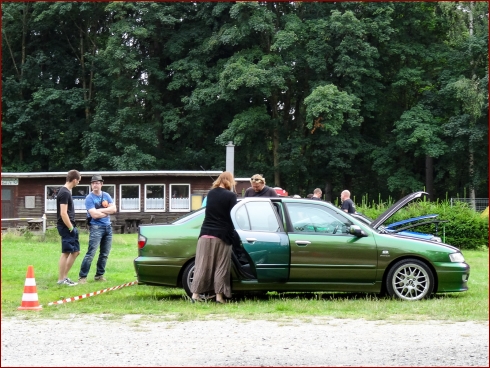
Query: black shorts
[69,240]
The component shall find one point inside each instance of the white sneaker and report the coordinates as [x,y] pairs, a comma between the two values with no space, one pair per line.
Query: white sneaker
[68,282]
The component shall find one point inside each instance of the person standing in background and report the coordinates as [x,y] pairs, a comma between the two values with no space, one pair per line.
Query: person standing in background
[65,213]
[347,203]
[317,194]
[259,189]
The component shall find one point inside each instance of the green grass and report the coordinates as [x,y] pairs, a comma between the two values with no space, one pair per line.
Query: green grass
[18,252]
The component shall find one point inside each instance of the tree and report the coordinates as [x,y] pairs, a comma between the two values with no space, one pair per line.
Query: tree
[378,98]
[464,93]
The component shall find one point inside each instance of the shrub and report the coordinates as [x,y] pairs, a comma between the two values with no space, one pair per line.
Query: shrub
[465,228]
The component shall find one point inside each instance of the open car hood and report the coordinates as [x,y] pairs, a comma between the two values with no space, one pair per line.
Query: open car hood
[381,219]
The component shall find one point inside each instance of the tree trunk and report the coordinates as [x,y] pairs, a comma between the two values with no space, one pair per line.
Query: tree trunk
[471,169]
[275,152]
[429,176]
[327,195]
[471,157]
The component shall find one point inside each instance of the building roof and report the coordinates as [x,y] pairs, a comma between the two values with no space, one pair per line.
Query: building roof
[111,173]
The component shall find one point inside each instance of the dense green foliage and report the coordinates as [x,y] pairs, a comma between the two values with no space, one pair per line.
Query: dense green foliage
[376,97]
[465,228]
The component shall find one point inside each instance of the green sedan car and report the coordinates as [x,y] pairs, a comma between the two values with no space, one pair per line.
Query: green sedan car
[289,244]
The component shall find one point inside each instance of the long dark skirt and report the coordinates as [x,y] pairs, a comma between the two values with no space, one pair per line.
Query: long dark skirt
[212,271]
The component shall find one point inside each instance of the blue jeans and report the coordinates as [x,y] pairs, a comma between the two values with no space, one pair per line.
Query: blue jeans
[99,235]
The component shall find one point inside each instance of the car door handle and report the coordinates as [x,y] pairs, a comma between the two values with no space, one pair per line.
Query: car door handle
[251,240]
[302,243]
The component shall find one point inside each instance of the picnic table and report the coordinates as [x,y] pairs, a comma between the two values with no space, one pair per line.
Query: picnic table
[132,224]
[36,224]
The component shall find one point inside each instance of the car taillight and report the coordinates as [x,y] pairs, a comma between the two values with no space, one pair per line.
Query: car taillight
[141,241]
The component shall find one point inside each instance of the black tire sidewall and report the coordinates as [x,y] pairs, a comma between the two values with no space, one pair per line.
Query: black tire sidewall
[185,277]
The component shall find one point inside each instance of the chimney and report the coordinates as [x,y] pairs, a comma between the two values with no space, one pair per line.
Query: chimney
[230,157]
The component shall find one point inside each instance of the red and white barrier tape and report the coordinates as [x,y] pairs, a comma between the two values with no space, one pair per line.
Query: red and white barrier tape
[91,294]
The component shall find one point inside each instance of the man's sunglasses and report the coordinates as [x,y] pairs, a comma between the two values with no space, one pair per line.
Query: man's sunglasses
[256,180]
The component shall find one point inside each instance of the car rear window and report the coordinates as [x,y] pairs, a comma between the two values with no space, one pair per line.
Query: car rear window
[189,216]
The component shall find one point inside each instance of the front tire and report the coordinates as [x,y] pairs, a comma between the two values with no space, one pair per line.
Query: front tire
[410,279]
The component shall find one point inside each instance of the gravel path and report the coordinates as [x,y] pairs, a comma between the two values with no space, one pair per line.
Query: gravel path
[134,341]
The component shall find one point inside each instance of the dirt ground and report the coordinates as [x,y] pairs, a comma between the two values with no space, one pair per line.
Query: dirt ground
[101,341]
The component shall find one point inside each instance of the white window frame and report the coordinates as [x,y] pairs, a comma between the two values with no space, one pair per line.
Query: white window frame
[50,204]
[114,198]
[178,209]
[146,199]
[121,209]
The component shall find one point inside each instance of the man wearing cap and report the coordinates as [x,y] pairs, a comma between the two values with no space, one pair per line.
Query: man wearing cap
[259,189]
[99,207]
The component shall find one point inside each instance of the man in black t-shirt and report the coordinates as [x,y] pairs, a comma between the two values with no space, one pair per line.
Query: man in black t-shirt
[259,189]
[65,212]
[347,203]
[317,194]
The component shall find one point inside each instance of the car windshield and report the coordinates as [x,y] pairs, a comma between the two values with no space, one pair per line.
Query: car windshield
[368,220]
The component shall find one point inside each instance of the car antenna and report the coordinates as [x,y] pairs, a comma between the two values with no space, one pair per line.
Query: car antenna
[203,169]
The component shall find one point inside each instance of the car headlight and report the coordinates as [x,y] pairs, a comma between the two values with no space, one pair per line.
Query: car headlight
[456,257]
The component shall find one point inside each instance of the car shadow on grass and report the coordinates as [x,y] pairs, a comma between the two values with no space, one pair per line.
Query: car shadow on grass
[175,294]
[332,296]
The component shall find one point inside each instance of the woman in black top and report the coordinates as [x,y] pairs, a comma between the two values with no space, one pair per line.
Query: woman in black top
[213,254]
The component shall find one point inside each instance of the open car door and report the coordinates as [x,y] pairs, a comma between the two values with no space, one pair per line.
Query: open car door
[263,238]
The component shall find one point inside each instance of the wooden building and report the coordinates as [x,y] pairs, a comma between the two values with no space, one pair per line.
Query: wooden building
[145,196]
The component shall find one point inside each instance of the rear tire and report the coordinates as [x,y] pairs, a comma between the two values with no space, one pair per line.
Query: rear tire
[187,277]
[410,279]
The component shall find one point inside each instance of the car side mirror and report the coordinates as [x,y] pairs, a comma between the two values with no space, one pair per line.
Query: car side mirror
[357,231]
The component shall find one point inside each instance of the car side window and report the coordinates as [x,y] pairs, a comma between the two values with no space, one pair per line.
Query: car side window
[257,216]
[306,218]
[242,218]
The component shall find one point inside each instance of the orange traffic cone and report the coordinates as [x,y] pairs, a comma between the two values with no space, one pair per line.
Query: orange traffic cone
[29,298]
